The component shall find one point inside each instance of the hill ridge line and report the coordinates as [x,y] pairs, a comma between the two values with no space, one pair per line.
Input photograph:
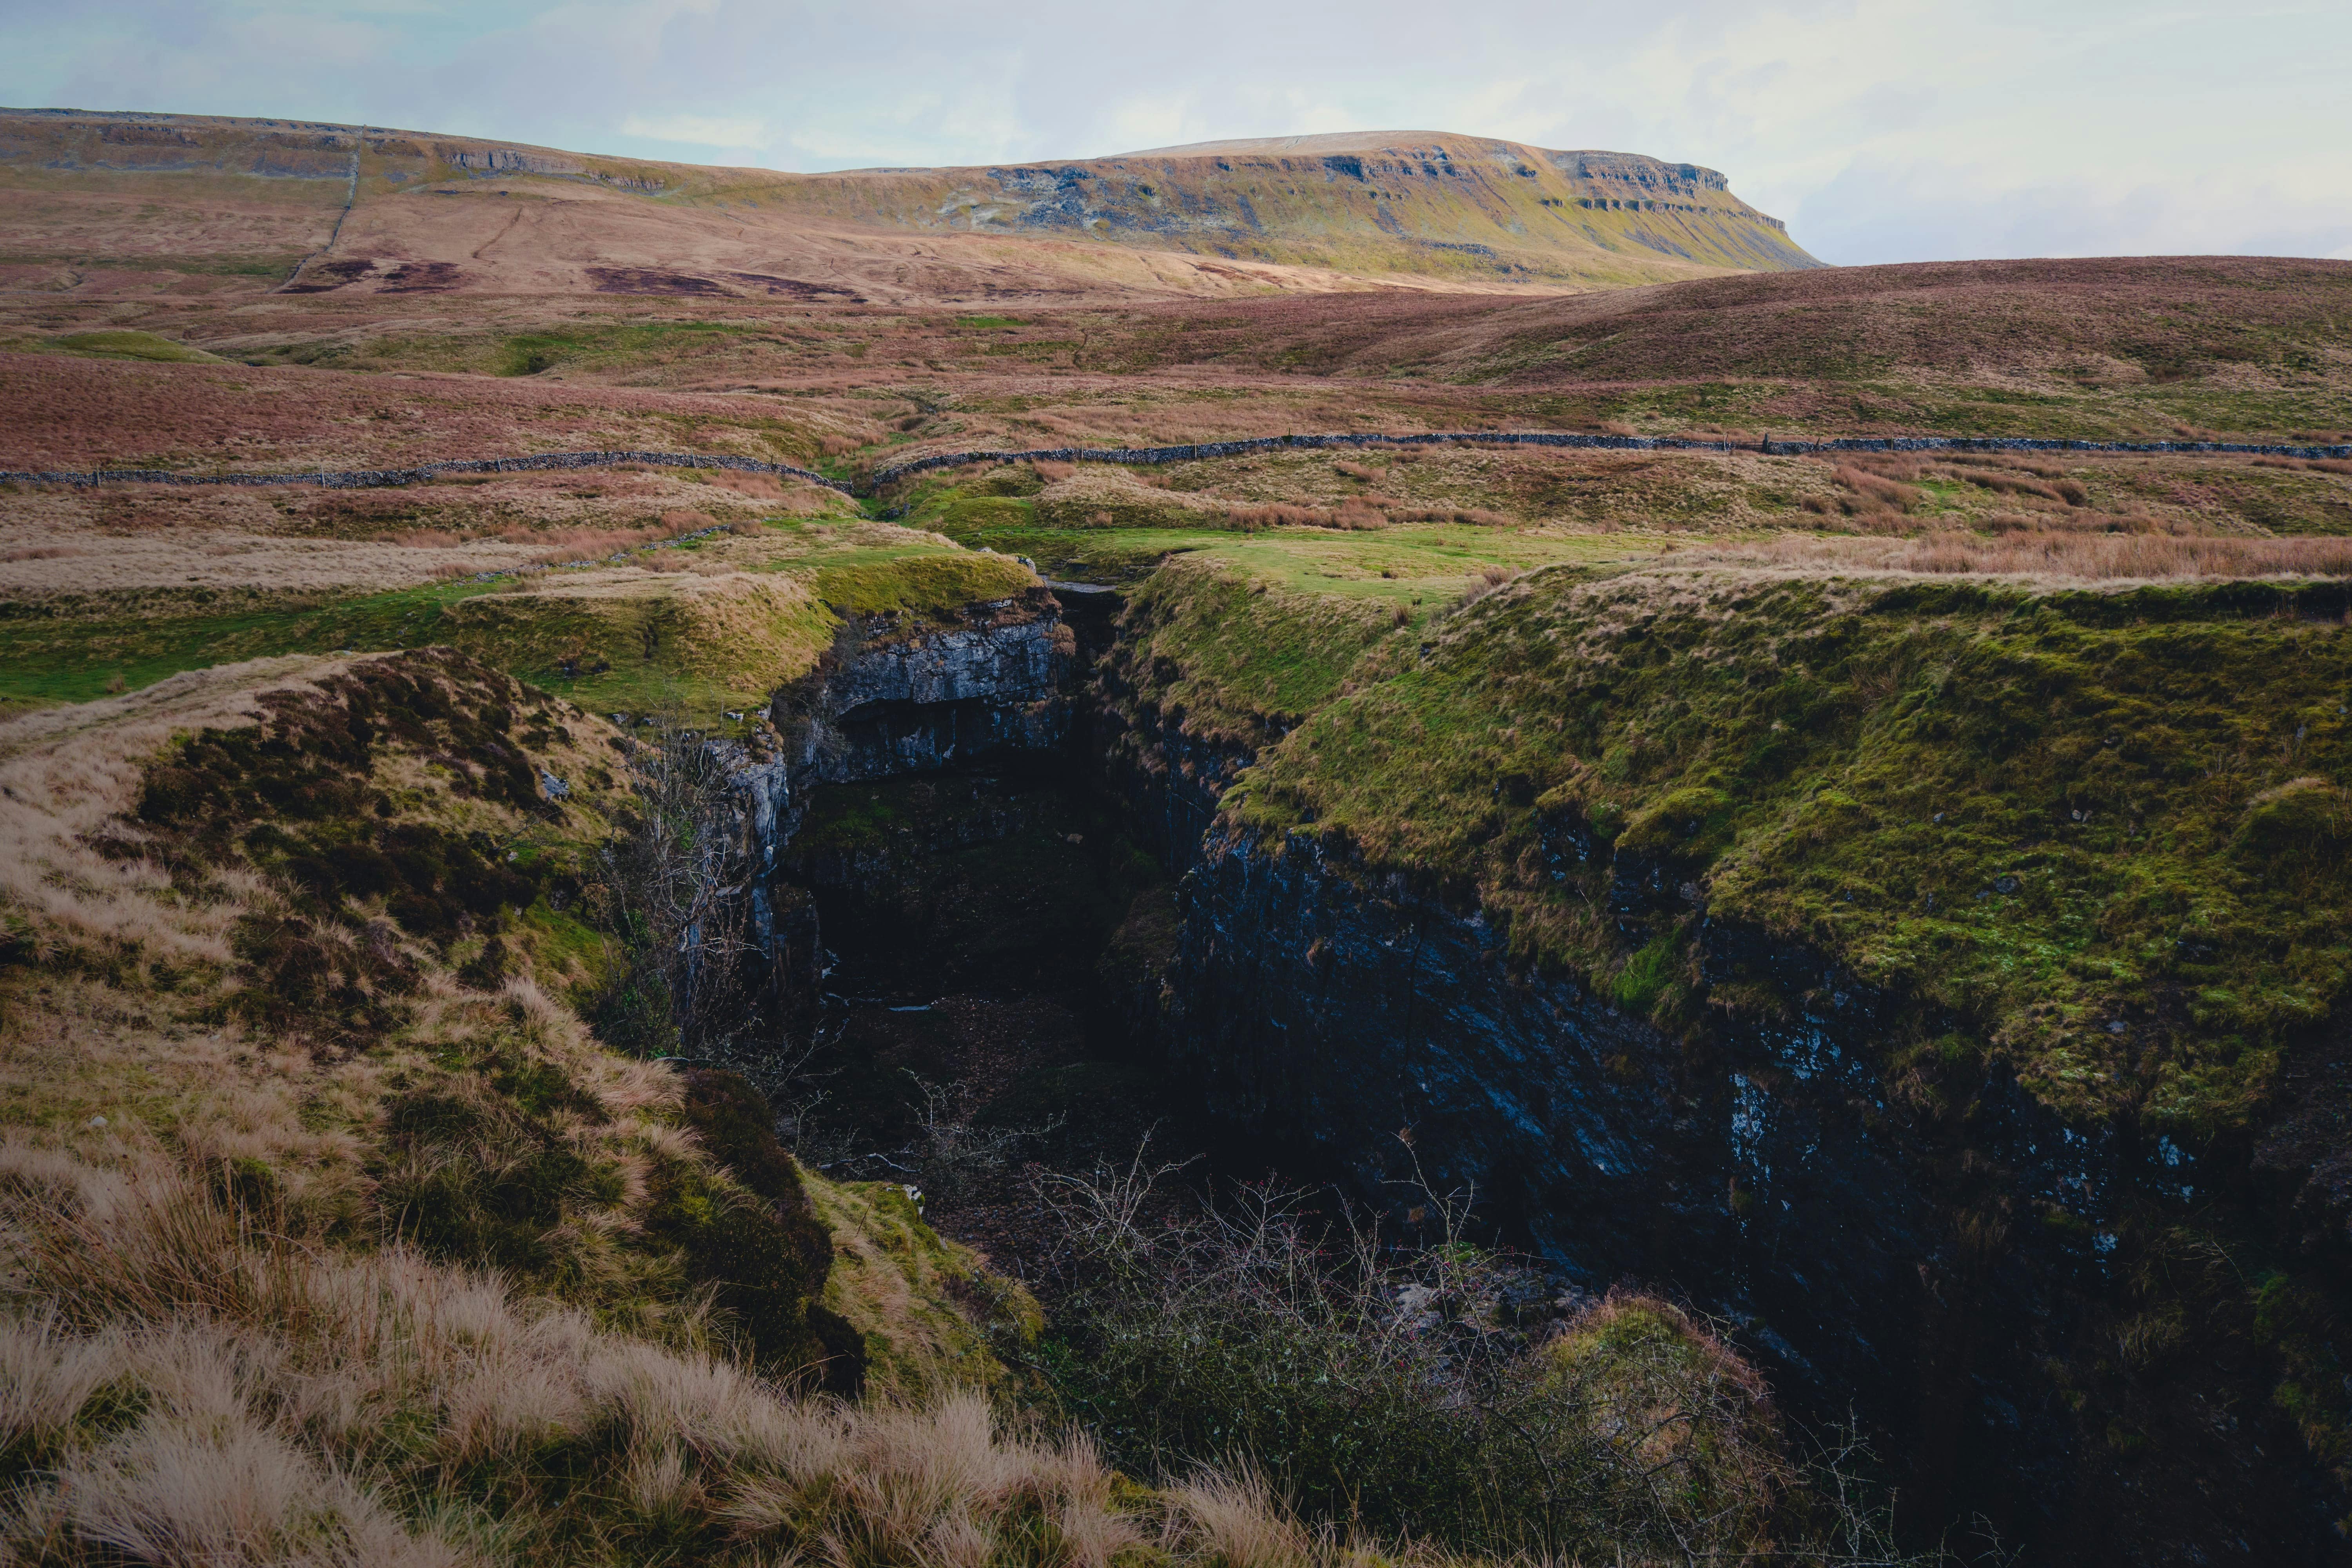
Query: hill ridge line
[369,478]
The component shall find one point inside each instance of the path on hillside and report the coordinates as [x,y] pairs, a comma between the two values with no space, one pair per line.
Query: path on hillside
[890,473]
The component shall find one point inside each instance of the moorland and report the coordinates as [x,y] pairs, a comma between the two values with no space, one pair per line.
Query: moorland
[1727,1001]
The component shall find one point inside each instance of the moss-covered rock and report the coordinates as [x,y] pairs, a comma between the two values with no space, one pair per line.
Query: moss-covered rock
[2101,825]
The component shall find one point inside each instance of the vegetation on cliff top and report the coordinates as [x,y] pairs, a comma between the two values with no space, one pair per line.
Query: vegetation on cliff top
[332,1232]
[2108,830]
[709,624]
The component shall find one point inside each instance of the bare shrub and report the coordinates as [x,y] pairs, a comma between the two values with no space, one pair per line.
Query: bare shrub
[1879,489]
[1402,1390]
[675,895]
[201,1388]
[1487,580]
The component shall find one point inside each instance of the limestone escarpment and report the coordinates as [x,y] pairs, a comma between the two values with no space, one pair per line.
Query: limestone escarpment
[1466,204]
[1473,210]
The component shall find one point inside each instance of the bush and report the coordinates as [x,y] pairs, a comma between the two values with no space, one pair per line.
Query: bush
[1425,1393]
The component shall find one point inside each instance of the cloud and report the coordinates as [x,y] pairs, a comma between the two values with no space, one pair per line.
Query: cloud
[746,131]
[1881,128]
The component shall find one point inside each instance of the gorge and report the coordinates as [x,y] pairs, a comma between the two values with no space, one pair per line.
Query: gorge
[1914,1235]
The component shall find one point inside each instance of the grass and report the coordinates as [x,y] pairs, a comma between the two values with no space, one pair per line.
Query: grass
[133,345]
[2050,813]
[77,651]
[630,344]
[172,1400]
[705,641]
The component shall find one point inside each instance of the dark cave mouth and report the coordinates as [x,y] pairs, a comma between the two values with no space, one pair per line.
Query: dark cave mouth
[977,923]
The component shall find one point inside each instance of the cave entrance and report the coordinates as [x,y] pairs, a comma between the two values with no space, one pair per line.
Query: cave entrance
[974,1025]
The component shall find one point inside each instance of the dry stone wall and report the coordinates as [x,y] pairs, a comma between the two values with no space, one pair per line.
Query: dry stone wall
[888,474]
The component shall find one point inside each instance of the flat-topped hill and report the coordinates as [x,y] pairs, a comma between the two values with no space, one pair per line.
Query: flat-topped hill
[113,203]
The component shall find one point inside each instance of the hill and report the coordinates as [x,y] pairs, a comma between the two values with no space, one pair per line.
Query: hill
[2097,346]
[114,203]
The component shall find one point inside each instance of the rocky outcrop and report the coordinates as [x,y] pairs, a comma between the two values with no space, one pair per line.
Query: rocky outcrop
[891,697]
[2057,1320]
[912,701]
[1931,1255]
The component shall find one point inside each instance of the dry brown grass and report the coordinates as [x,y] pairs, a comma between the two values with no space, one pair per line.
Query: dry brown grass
[66,772]
[2026,548]
[113,541]
[290,1403]
[271,1402]
[2309,464]
[193,1371]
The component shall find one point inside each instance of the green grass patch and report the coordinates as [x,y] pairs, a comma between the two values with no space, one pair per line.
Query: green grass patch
[672,643]
[2111,830]
[72,650]
[528,354]
[930,585]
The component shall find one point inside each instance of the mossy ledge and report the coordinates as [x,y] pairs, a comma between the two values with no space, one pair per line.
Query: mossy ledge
[2108,829]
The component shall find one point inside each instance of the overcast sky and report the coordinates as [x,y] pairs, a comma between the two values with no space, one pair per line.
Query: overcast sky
[1881,131]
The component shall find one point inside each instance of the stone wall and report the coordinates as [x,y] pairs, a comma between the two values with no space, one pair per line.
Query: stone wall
[366,479]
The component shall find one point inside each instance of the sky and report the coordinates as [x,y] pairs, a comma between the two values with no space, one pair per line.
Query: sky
[1880,130]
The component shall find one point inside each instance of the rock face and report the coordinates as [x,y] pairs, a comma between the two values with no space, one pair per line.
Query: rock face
[1432,204]
[914,703]
[1874,1244]
[893,699]
[1492,205]
[890,699]
[1912,1241]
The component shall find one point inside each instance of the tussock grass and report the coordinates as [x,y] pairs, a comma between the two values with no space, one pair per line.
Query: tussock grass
[69,772]
[179,1382]
[248,1310]
[2087,547]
